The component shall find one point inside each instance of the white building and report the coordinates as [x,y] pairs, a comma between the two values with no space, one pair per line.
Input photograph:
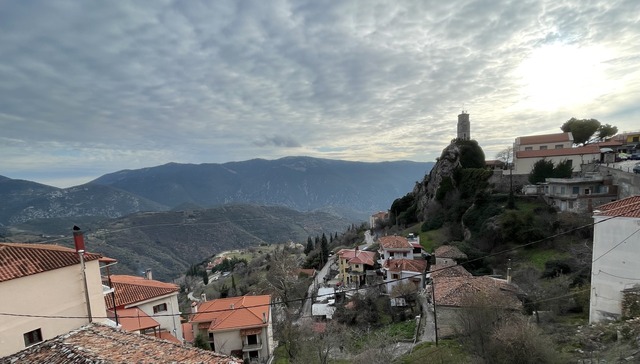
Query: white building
[41,283]
[615,267]
[528,150]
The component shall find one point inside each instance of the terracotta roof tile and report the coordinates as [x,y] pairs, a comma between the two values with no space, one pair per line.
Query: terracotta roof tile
[627,207]
[406,265]
[132,289]
[187,332]
[21,260]
[448,271]
[234,312]
[394,242]
[133,319]
[453,291]
[357,256]
[449,251]
[102,344]
[589,149]
[546,138]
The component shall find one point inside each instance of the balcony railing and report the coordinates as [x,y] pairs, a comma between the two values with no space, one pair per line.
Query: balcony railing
[251,347]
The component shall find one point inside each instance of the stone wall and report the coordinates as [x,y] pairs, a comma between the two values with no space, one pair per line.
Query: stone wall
[500,181]
[628,182]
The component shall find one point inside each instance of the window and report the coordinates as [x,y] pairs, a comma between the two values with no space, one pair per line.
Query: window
[160,308]
[528,148]
[570,204]
[395,276]
[32,337]
[559,146]
[587,191]
[575,190]
[543,147]
[636,139]
[562,190]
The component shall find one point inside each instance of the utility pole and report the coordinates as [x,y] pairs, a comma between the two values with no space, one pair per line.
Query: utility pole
[435,317]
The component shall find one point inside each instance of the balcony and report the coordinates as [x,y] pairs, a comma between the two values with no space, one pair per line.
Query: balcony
[251,347]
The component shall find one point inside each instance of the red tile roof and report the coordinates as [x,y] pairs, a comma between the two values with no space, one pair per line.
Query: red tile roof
[454,291]
[588,149]
[21,260]
[449,251]
[394,242]
[357,256]
[546,138]
[102,344]
[627,207]
[406,265]
[133,319]
[187,332]
[447,271]
[131,289]
[234,312]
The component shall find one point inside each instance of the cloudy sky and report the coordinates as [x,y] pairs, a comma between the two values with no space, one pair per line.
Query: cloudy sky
[92,87]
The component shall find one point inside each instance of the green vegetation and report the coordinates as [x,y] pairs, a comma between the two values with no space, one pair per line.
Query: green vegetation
[447,352]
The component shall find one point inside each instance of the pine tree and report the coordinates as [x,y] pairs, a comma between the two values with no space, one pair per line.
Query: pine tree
[324,245]
[309,246]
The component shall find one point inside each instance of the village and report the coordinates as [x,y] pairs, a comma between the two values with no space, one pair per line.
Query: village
[89,313]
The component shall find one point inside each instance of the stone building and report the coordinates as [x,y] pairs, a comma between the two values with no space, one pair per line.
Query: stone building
[464,126]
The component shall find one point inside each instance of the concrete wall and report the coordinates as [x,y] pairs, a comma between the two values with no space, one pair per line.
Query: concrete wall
[616,253]
[169,320]
[627,181]
[59,292]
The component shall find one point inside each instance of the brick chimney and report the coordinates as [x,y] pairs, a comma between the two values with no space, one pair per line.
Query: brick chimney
[147,274]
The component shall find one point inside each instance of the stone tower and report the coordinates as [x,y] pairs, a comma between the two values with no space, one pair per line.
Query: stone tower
[464,126]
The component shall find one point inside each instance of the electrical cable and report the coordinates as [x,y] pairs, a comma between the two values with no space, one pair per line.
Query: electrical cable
[356,289]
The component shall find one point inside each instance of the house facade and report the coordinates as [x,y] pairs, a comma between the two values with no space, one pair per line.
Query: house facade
[615,267]
[237,326]
[46,280]
[579,194]
[143,297]
[354,265]
[557,147]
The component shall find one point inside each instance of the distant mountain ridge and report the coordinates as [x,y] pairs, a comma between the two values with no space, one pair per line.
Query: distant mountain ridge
[350,189]
[300,183]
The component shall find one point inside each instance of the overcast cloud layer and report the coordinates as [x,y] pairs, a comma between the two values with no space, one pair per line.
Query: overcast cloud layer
[92,87]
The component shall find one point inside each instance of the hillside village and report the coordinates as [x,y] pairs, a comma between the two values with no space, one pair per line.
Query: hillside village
[443,275]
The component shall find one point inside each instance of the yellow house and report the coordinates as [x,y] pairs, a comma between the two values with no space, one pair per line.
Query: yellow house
[43,293]
[353,265]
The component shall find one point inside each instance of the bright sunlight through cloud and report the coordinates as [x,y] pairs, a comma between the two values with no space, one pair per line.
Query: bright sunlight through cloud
[563,76]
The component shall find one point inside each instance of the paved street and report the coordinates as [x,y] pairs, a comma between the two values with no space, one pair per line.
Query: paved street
[317,282]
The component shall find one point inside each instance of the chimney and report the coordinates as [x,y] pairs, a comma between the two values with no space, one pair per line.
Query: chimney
[509,272]
[233,307]
[203,297]
[264,317]
[147,274]
[78,239]
[194,307]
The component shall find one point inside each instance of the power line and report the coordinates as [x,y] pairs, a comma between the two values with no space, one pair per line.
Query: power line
[357,289]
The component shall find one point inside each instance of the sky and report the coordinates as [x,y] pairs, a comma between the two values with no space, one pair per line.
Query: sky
[93,87]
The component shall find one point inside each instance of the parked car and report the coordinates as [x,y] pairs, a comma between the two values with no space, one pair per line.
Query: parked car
[635,156]
[636,168]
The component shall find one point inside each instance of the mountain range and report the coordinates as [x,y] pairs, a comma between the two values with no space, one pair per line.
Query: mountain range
[350,189]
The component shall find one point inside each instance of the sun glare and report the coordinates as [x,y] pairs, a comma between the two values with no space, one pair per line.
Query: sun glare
[562,76]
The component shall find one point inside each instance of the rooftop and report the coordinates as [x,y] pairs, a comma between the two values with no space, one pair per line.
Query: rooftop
[102,344]
[394,242]
[21,260]
[546,138]
[588,149]
[457,291]
[357,256]
[627,207]
[449,251]
[131,289]
[133,319]
[405,265]
[234,312]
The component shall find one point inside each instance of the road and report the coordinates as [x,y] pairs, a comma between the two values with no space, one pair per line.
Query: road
[313,288]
